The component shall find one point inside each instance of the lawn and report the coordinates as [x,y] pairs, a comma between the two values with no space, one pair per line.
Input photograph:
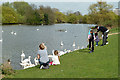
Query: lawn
[102,63]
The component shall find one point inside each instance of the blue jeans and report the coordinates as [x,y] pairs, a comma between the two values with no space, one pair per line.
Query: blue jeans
[96,43]
[44,64]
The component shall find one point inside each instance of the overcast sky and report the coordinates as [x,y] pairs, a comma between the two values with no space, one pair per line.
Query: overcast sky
[60,0]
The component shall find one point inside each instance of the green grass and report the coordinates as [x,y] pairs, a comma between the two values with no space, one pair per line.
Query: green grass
[114,30]
[102,63]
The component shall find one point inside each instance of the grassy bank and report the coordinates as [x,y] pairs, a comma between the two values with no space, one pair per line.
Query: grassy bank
[103,63]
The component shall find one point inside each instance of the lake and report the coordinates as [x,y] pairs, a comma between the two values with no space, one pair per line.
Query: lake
[28,38]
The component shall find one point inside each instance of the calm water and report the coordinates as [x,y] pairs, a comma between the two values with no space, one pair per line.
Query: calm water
[28,39]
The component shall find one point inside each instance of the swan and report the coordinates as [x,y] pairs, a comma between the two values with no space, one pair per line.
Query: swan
[37,29]
[36,61]
[1,40]
[82,47]
[78,47]
[61,43]
[27,60]
[66,31]
[12,32]
[15,33]
[22,56]
[73,43]
[2,31]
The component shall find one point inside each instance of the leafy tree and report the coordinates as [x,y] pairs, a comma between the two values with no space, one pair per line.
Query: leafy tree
[21,7]
[46,19]
[72,18]
[101,14]
[60,17]
[10,17]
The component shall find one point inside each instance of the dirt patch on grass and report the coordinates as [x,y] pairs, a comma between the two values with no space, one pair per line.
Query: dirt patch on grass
[113,33]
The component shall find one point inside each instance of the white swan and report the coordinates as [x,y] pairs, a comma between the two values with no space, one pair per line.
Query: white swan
[15,33]
[61,43]
[82,47]
[22,56]
[66,31]
[73,43]
[1,40]
[37,29]
[12,32]
[27,60]
[36,61]
[2,31]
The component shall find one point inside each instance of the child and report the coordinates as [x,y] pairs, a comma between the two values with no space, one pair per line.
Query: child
[96,38]
[56,58]
[89,35]
[91,40]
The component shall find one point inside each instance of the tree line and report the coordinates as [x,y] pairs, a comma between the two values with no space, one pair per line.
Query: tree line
[23,13]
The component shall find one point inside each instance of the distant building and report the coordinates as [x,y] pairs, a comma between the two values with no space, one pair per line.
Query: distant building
[116,11]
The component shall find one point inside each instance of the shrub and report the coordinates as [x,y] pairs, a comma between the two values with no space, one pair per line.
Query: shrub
[7,69]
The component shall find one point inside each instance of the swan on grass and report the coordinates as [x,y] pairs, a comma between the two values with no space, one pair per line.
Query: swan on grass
[36,61]
[26,63]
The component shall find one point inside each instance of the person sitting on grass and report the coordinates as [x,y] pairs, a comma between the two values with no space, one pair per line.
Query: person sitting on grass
[91,40]
[96,38]
[56,58]
[43,57]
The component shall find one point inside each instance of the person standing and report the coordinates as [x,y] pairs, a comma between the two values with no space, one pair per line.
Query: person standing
[91,40]
[104,31]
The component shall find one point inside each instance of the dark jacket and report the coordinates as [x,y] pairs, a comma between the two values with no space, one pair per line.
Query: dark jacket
[92,36]
[102,29]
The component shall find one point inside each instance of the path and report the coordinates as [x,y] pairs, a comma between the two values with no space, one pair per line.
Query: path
[114,33]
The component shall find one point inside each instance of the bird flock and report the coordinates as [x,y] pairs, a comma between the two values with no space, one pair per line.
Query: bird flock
[26,63]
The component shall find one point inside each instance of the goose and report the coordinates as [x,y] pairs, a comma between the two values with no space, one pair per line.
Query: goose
[73,43]
[61,43]
[22,56]
[36,61]
[37,29]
